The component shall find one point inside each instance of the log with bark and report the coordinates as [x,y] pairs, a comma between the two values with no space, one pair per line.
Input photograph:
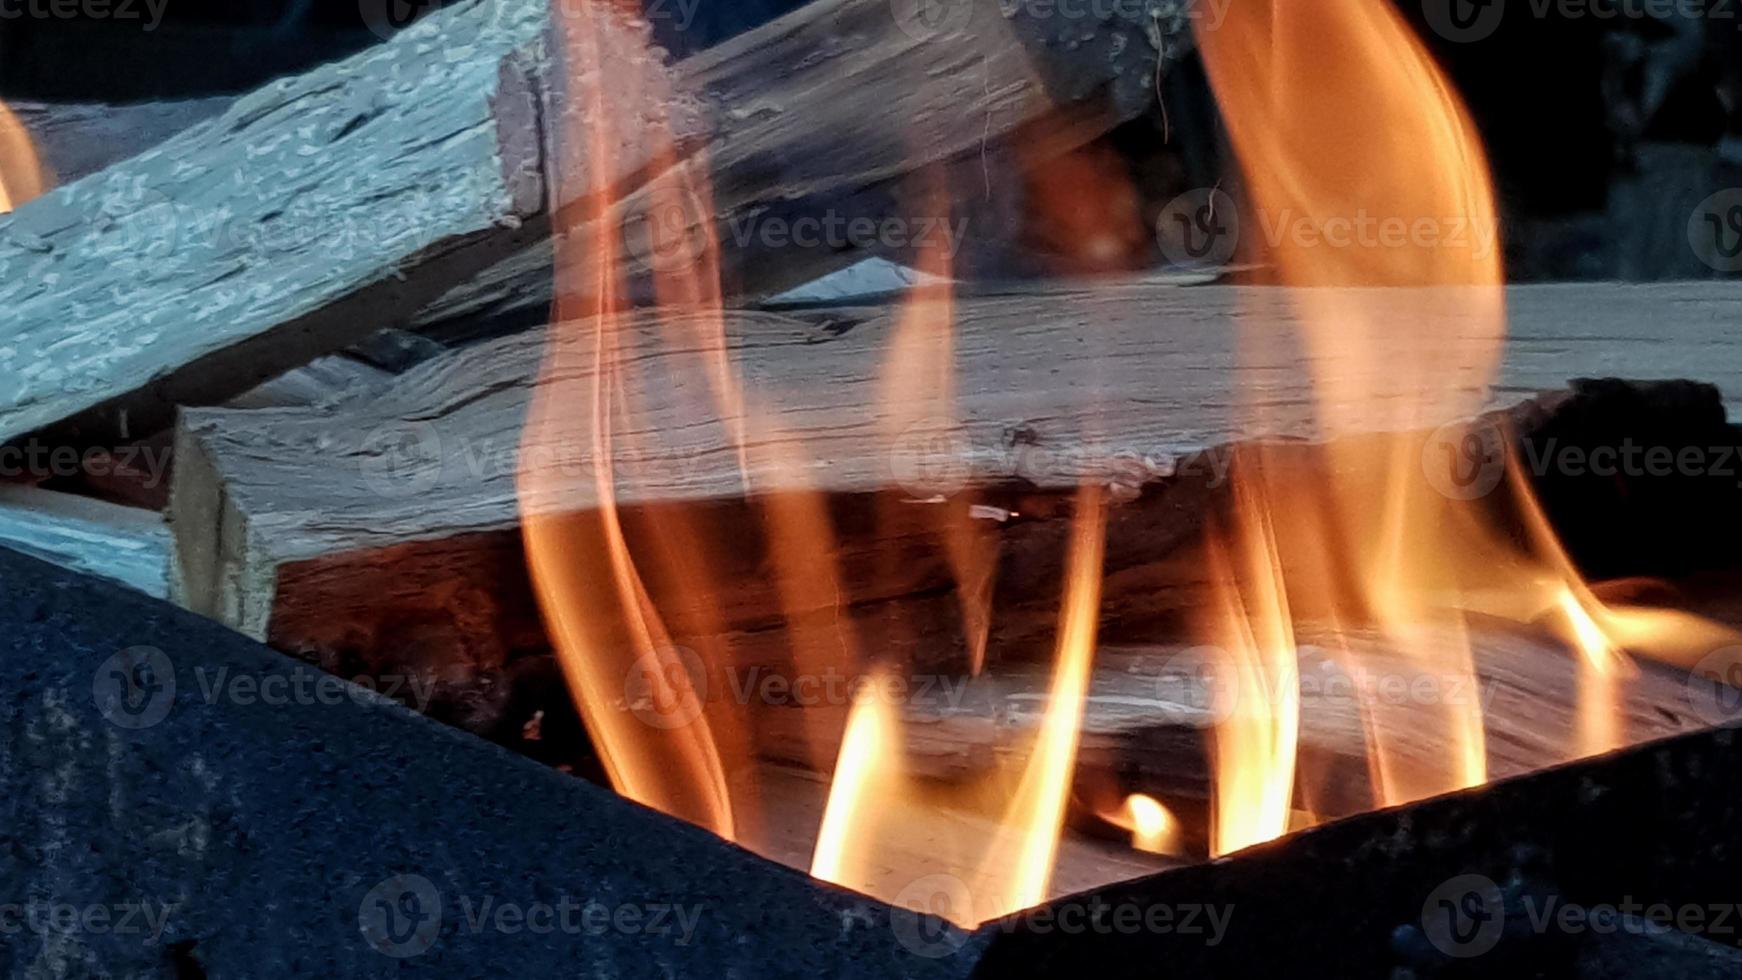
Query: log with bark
[329,205]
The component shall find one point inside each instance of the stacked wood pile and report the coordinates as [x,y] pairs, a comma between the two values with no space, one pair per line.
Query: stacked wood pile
[282,329]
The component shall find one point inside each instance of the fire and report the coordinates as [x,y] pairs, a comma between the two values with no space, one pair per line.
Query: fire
[21,176]
[1005,859]
[1338,113]
[1154,828]
[1334,110]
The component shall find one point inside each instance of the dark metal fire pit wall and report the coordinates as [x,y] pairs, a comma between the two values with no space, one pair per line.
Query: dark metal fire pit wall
[179,802]
[1593,869]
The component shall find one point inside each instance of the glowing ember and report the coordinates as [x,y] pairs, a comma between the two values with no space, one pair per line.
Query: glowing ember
[1153,826]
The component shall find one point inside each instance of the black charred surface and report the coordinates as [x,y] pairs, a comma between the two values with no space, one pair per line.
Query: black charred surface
[267,822]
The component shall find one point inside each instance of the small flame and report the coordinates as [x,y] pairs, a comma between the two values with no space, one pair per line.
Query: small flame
[1154,828]
[21,176]
[873,801]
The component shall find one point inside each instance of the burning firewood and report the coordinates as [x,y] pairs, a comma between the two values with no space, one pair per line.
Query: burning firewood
[319,528]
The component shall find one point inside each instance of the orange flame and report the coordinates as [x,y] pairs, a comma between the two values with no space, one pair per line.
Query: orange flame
[1335,110]
[1343,122]
[21,176]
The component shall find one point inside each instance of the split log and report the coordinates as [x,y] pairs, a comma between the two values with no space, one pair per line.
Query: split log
[328,529]
[348,199]
[122,544]
[308,215]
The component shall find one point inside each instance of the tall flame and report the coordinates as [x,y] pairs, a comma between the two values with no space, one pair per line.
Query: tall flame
[1367,179]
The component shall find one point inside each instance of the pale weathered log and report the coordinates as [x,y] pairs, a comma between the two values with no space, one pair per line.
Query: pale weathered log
[306,216]
[309,526]
[123,544]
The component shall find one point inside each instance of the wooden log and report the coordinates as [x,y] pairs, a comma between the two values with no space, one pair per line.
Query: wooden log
[304,217]
[307,527]
[308,215]
[820,116]
[122,544]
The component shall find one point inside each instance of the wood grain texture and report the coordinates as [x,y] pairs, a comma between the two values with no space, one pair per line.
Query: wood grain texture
[415,492]
[310,213]
[820,115]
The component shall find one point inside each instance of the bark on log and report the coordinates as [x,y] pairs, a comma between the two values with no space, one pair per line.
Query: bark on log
[321,529]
